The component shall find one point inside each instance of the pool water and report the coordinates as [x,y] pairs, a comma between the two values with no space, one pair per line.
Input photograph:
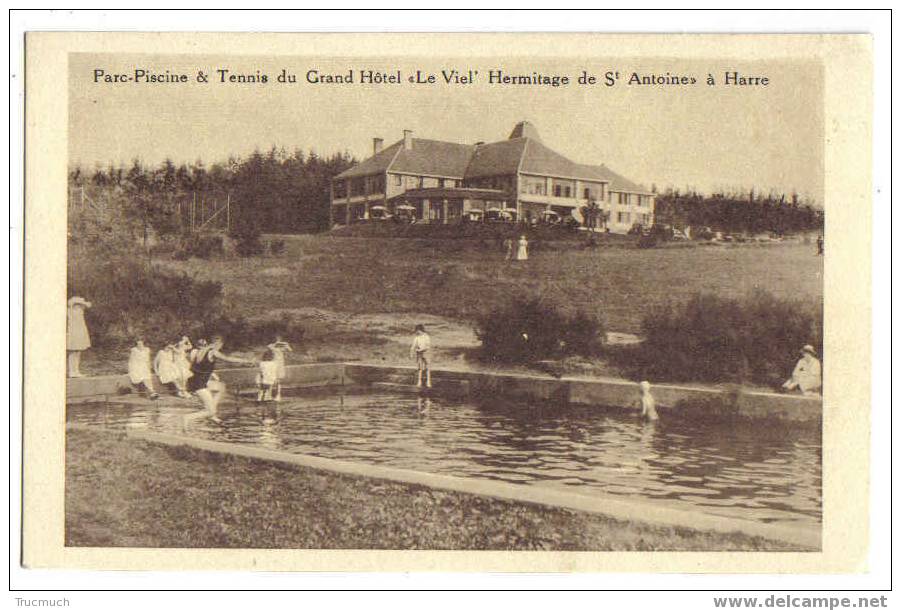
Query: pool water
[764,472]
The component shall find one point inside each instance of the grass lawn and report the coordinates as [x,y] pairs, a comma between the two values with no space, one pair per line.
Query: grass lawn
[461,279]
[358,298]
[121,492]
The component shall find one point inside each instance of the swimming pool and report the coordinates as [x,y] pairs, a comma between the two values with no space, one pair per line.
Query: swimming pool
[769,473]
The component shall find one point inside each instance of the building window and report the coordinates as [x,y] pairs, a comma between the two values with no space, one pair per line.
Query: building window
[557,190]
[441,183]
[398,180]
[567,191]
[586,194]
[419,182]
[340,189]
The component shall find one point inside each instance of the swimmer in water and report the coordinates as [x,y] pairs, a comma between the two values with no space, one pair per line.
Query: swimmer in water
[648,404]
[203,382]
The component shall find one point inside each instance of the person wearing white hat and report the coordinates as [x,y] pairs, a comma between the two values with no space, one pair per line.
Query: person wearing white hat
[77,337]
[807,375]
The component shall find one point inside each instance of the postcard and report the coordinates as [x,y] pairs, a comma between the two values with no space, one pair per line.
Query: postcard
[458,302]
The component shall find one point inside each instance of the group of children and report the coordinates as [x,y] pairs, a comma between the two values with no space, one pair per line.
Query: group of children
[190,369]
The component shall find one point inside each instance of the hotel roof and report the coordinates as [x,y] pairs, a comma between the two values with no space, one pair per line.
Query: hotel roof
[617,182]
[522,152]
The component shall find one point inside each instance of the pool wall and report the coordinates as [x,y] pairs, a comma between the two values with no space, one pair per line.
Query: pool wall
[618,393]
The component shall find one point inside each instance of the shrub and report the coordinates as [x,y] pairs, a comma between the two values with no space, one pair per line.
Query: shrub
[647,240]
[753,339]
[248,244]
[200,246]
[131,299]
[528,330]
[239,333]
[246,234]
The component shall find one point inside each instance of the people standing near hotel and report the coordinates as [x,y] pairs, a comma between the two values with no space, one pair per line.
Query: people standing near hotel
[522,249]
[77,337]
[508,248]
[267,378]
[648,404]
[279,349]
[807,375]
[820,245]
[139,372]
[204,382]
[421,349]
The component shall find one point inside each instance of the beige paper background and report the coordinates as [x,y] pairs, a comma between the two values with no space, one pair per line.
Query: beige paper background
[847,184]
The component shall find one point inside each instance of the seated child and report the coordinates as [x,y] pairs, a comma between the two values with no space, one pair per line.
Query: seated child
[648,404]
[139,368]
[166,368]
[183,365]
[267,378]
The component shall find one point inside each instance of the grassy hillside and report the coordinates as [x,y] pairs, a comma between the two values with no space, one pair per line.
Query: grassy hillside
[463,278]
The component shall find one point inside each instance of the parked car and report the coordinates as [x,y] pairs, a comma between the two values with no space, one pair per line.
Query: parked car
[405,213]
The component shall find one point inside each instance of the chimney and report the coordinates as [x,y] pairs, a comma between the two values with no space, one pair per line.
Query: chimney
[377,145]
[408,139]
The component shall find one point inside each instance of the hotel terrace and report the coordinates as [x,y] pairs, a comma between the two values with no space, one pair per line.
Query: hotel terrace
[517,178]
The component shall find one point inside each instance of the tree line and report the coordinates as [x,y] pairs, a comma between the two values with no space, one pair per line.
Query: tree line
[738,213]
[275,191]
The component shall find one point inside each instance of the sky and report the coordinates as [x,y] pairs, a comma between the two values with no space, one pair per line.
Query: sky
[705,137]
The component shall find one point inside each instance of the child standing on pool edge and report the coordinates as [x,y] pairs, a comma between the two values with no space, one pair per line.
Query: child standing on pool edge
[421,348]
[279,348]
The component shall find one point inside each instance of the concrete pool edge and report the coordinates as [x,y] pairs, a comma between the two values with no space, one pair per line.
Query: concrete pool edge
[613,507]
[578,391]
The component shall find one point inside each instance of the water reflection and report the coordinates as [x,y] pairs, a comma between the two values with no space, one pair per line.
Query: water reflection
[760,472]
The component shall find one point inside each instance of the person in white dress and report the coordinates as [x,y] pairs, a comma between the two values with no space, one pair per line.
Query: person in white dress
[522,248]
[77,337]
[166,367]
[279,349]
[139,372]
[183,364]
[807,375]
